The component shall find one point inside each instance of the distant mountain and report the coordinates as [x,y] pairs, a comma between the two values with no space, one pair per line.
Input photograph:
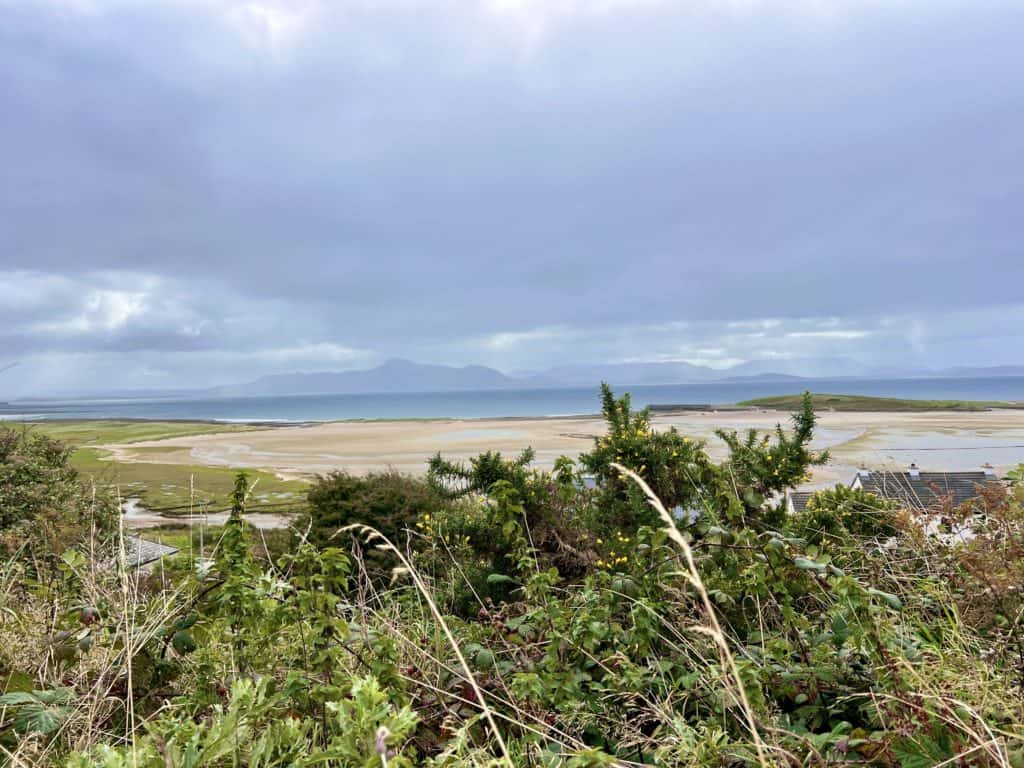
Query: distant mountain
[803,367]
[399,375]
[406,376]
[765,377]
[392,376]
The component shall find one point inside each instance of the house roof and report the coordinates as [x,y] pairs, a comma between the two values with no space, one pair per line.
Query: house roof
[922,490]
[799,499]
[139,551]
[918,490]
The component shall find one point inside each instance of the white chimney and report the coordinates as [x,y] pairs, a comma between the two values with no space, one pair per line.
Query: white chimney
[914,471]
[990,471]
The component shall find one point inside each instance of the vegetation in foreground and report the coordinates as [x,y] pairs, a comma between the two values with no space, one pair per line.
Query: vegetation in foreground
[166,488]
[825,402]
[665,614]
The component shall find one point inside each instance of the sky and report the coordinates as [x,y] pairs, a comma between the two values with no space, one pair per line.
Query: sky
[204,191]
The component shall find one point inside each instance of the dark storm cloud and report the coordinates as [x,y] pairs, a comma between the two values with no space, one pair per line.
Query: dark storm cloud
[463,178]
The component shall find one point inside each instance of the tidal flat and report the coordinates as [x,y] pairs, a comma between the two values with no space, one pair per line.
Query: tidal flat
[939,440]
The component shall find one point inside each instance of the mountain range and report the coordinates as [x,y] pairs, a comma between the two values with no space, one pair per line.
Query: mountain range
[399,375]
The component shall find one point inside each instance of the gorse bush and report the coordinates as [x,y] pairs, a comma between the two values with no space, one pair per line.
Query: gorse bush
[675,467]
[498,614]
[839,513]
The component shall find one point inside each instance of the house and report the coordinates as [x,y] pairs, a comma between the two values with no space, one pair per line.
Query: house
[913,488]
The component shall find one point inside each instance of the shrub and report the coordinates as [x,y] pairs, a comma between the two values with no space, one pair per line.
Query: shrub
[675,466]
[389,501]
[516,518]
[838,513]
[45,507]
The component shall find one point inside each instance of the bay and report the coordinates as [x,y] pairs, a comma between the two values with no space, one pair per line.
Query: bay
[493,403]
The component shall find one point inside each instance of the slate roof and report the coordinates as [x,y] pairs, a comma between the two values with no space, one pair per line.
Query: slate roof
[918,490]
[923,490]
[140,552]
[798,500]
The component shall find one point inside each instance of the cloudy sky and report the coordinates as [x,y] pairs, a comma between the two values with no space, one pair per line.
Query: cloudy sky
[202,191]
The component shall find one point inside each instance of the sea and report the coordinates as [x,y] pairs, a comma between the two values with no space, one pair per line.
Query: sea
[492,403]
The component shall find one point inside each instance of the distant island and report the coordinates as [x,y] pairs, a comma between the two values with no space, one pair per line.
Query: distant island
[401,376]
[406,376]
[826,402]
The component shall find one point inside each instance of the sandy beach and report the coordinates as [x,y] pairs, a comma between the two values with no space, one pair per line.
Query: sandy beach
[935,440]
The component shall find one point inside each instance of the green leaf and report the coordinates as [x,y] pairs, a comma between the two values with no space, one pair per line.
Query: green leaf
[37,711]
[187,621]
[484,659]
[500,578]
[39,719]
[888,598]
[183,642]
[18,698]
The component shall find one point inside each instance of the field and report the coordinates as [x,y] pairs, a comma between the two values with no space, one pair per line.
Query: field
[861,403]
[101,431]
[169,488]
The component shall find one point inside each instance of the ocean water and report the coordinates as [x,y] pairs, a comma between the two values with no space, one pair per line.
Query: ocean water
[499,403]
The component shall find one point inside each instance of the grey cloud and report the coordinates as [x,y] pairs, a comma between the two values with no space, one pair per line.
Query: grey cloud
[408,178]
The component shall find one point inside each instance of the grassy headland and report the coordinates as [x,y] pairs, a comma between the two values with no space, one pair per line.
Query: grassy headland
[826,402]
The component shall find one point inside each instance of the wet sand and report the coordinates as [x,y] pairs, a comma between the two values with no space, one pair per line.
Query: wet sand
[938,440]
[136,517]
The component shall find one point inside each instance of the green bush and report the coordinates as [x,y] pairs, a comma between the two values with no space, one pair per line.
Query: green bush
[46,508]
[675,467]
[391,502]
[838,513]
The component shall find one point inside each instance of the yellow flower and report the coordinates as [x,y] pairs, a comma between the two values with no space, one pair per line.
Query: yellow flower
[599,541]
[426,517]
[600,563]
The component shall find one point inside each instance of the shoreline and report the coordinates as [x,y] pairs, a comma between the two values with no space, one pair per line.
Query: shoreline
[940,439]
[167,457]
[656,410]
